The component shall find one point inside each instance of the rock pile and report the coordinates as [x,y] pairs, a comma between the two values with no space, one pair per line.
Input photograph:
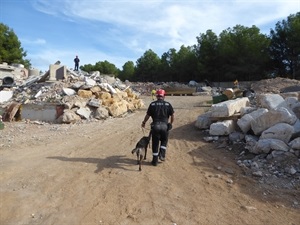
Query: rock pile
[79,96]
[266,128]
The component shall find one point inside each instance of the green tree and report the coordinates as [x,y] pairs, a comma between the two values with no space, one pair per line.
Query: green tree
[185,64]
[107,68]
[179,66]
[103,67]
[87,67]
[207,52]
[128,71]
[10,47]
[243,53]
[168,70]
[285,47]
[147,67]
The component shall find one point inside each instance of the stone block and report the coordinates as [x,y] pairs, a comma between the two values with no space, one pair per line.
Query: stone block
[229,108]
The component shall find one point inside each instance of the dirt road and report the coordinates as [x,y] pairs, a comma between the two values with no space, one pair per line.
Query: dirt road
[85,174]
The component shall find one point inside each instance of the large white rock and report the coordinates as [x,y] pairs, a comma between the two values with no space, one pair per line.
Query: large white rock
[244,123]
[280,131]
[229,108]
[296,109]
[295,144]
[271,101]
[292,102]
[84,112]
[222,128]
[5,96]
[297,126]
[203,121]
[89,81]
[267,145]
[272,117]
[247,110]
[69,91]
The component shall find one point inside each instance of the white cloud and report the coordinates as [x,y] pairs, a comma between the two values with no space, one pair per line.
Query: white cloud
[38,41]
[130,27]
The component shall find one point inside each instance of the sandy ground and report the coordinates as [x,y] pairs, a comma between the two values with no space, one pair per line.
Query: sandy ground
[85,174]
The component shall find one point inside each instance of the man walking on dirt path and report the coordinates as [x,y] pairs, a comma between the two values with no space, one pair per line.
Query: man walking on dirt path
[160,111]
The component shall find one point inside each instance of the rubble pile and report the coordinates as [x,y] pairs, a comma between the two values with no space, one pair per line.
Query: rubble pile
[266,129]
[77,96]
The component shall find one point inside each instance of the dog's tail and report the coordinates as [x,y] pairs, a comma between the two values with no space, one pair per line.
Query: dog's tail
[134,150]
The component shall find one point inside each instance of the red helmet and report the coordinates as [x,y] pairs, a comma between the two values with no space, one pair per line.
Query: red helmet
[160,92]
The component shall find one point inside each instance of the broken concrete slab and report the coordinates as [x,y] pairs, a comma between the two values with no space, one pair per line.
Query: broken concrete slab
[84,112]
[42,112]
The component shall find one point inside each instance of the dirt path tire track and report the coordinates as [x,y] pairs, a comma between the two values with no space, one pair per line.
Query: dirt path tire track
[85,175]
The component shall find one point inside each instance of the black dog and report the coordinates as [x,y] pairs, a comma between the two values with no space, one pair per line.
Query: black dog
[141,149]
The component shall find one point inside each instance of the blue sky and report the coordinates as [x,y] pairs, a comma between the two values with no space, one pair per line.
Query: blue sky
[122,30]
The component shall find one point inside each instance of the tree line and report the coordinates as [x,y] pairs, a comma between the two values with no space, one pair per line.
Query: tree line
[241,53]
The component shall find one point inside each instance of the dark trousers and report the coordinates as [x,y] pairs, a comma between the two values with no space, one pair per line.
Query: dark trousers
[159,137]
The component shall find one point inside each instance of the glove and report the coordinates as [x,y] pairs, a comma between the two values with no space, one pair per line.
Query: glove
[169,126]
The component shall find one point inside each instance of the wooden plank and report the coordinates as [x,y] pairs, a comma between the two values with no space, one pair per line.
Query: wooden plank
[233,117]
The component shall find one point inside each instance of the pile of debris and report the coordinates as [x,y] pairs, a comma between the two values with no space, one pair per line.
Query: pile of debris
[266,130]
[65,96]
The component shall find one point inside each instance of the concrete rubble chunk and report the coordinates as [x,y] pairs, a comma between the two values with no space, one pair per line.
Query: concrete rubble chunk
[229,108]
[84,112]
[89,81]
[94,103]
[69,116]
[69,91]
[100,113]
[107,87]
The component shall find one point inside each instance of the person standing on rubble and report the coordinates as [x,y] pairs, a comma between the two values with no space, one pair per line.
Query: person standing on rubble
[161,112]
[76,61]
